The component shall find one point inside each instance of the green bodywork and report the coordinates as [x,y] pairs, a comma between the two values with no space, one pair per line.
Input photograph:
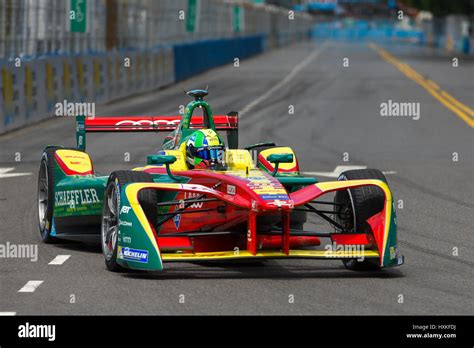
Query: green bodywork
[78,195]
[392,257]
[132,235]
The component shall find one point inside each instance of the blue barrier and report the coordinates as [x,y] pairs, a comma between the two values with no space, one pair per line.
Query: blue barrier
[361,30]
[195,57]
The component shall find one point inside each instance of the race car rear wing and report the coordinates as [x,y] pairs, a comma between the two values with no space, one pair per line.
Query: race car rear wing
[227,123]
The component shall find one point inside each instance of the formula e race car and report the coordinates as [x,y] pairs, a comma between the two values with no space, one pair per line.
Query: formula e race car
[200,200]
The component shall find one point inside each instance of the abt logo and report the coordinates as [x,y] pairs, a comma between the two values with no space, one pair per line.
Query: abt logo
[125,209]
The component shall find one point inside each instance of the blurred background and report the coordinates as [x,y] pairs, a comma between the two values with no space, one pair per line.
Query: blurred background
[74,50]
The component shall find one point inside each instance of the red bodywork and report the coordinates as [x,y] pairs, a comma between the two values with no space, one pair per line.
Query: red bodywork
[153,123]
[240,208]
[232,217]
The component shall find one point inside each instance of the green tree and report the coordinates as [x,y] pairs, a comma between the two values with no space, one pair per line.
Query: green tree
[443,7]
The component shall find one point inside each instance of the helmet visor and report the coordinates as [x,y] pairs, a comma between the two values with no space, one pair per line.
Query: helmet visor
[208,153]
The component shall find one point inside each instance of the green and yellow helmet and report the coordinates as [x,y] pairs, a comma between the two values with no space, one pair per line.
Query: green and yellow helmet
[205,149]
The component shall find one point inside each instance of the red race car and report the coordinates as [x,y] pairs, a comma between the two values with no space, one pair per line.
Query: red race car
[199,199]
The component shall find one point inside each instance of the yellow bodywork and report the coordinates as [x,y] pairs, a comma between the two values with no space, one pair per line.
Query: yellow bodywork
[233,255]
[77,161]
[281,150]
[235,159]
[238,159]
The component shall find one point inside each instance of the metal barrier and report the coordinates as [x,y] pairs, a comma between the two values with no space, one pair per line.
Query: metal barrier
[210,53]
[127,47]
[41,27]
[363,30]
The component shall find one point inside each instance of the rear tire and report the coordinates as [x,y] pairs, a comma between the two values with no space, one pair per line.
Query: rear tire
[110,216]
[360,203]
[46,194]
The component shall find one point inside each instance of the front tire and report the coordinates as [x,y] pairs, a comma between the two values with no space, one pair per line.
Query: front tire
[110,214]
[354,206]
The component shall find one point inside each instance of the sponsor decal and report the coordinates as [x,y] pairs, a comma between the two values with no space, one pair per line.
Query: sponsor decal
[257,178]
[267,189]
[254,205]
[278,203]
[276,197]
[192,187]
[72,198]
[191,195]
[177,221]
[394,253]
[127,239]
[28,330]
[125,209]
[74,156]
[125,223]
[134,254]
[150,123]
[231,190]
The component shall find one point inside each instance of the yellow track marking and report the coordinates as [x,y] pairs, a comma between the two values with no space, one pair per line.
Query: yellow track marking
[456,102]
[463,111]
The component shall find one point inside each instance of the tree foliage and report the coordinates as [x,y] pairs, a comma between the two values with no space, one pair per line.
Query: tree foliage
[443,7]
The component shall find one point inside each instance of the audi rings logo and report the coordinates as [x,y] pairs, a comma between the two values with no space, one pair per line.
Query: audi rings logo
[148,123]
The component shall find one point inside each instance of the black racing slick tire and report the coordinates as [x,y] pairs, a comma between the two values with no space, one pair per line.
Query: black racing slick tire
[297,220]
[110,216]
[46,194]
[353,208]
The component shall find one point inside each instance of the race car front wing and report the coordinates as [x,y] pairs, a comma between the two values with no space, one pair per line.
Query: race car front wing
[138,247]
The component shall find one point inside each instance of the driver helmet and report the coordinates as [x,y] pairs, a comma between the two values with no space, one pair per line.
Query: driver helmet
[205,150]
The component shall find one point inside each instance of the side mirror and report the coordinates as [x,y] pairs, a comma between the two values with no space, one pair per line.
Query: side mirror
[160,160]
[278,158]
[256,146]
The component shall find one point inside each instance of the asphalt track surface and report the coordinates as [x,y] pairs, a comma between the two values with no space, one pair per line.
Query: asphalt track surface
[337,110]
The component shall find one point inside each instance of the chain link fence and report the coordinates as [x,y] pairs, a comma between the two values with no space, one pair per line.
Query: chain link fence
[34,28]
[95,51]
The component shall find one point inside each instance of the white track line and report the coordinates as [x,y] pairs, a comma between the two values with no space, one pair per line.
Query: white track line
[4,171]
[287,79]
[59,260]
[31,286]
[3,314]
